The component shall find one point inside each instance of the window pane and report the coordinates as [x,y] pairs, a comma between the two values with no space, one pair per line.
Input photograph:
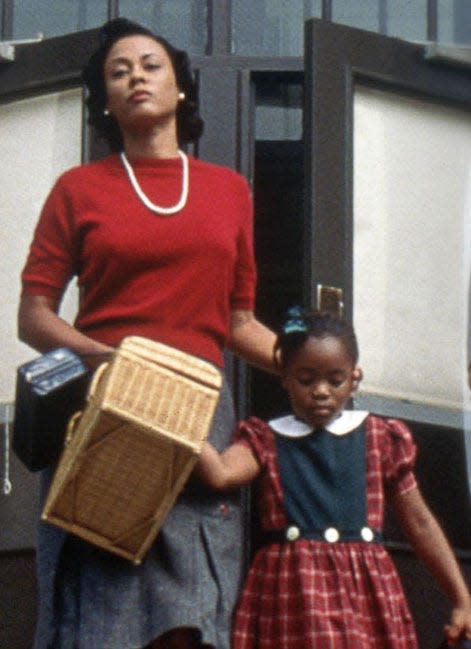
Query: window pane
[266,28]
[278,111]
[182,22]
[407,19]
[56,17]
[454,22]
[445,22]
[363,14]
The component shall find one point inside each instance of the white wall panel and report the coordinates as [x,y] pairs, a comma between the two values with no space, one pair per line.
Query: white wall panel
[40,137]
[412,223]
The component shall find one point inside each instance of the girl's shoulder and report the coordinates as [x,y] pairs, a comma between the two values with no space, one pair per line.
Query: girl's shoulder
[389,428]
[254,426]
[257,435]
[393,442]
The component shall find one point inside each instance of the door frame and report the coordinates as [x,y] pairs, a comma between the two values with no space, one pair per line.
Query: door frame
[336,57]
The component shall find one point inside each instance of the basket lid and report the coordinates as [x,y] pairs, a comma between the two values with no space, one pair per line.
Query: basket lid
[171,358]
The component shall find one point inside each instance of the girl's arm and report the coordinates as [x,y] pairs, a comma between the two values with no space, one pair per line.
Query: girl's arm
[252,340]
[232,468]
[433,549]
[40,327]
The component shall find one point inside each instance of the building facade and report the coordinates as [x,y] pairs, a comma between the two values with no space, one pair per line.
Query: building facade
[352,123]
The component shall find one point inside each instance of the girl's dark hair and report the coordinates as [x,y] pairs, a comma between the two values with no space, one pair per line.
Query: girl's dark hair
[189,123]
[301,325]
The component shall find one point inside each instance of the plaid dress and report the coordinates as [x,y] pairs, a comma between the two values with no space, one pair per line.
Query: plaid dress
[311,593]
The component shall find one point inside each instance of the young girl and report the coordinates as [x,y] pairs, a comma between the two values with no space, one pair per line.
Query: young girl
[324,579]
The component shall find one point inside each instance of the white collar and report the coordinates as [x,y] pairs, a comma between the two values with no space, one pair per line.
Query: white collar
[289,426]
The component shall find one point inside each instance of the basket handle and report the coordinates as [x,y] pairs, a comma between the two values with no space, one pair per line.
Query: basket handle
[96,379]
[71,426]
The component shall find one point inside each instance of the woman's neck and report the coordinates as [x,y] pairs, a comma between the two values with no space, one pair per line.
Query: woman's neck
[153,144]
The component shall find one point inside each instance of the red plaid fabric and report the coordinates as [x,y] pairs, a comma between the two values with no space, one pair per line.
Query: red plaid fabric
[313,594]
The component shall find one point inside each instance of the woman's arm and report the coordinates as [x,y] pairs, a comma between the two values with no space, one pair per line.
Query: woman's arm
[40,327]
[433,549]
[252,340]
[232,468]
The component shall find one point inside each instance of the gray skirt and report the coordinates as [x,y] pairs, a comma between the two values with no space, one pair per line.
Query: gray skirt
[190,577]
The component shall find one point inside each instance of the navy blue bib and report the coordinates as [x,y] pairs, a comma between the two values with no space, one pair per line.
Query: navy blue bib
[323,477]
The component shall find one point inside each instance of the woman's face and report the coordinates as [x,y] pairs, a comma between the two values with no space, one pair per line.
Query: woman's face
[140,84]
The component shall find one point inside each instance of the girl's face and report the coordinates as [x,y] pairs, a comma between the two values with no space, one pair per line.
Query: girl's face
[140,83]
[319,380]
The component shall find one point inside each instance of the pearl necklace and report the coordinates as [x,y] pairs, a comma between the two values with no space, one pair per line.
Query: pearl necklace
[148,203]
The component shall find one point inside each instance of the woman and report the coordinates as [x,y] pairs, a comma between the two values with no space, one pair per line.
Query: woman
[161,244]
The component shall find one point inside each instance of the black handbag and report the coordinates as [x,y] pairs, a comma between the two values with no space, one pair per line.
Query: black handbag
[49,390]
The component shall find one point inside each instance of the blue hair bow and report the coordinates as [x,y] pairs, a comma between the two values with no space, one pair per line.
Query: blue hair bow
[295,322]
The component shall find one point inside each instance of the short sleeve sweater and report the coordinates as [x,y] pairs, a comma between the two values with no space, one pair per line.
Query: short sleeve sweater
[174,278]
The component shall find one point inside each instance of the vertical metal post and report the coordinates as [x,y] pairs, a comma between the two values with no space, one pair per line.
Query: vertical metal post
[326,10]
[432,20]
[82,15]
[7,20]
[113,9]
[219,32]
[383,17]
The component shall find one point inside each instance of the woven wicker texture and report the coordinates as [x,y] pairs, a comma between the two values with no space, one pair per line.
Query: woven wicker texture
[186,389]
[130,454]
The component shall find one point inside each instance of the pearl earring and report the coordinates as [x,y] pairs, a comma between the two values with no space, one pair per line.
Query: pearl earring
[181,96]
[106,112]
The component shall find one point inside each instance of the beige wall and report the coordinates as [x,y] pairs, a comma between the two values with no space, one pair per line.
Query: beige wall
[39,137]
[412,225]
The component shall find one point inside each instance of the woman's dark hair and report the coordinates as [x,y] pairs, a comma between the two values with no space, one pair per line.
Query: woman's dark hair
[189,123]
[300,325]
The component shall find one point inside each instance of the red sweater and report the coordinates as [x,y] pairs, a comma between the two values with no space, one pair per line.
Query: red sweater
[174,279]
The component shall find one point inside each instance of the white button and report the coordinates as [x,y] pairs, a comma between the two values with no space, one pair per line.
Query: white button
[293,533]
[367,534]
[331,535]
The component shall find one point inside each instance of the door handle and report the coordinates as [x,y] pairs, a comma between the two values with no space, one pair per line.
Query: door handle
[330,299]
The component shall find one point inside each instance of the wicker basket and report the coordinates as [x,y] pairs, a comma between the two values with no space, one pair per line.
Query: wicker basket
[131,451]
